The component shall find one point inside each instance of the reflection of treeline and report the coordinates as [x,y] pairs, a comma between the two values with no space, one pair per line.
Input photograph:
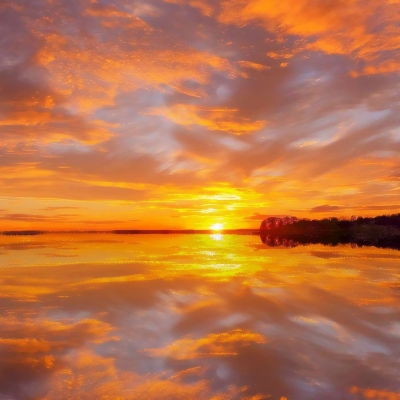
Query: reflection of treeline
[382,231]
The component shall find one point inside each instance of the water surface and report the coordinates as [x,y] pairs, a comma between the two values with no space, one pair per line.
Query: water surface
[196,317]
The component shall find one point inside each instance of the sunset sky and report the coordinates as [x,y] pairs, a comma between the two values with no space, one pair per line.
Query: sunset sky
[190,113]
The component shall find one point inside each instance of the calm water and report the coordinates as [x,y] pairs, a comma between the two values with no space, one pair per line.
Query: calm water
[196,317]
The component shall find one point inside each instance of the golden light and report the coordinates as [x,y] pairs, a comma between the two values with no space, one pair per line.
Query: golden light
[217,227]
[217,236]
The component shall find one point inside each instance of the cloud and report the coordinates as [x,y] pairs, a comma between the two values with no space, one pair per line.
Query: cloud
[214,345]
[32,111]
[120,52]
[60,208]
[214,119]
[259,217]
[325,208]
[369,393]
[335,27]
[35,217]
[332,208]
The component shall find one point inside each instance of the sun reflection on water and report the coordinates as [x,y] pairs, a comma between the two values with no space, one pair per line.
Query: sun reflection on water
[217,236]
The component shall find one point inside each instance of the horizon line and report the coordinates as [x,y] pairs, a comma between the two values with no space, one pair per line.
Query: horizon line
[131,231]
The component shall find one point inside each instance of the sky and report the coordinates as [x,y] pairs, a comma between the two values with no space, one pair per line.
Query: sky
[118,114]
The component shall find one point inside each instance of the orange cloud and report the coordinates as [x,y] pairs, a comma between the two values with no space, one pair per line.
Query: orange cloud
[34,113]
[93,376]
[216,119]
[113,68]
[213,345]
[253,65]
[332,27]
[375,394]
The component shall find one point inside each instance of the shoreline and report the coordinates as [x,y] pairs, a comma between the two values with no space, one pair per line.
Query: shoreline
[137,232]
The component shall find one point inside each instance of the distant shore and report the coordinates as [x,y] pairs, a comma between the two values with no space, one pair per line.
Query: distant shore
[135,232]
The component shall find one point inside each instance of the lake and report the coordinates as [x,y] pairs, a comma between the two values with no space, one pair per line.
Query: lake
[199,317]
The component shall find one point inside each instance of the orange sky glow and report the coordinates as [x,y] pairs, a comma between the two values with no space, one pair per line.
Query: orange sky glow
[129,114]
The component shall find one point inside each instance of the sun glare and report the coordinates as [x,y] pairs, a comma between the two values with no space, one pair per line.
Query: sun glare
[217,237]
[217,227]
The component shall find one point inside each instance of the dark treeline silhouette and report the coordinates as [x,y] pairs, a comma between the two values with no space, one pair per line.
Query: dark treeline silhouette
[382,231]
[22,233]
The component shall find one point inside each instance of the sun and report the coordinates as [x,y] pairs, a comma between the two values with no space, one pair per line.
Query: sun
[217,227]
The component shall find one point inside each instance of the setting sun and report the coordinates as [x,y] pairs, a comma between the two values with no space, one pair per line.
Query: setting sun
[217,227]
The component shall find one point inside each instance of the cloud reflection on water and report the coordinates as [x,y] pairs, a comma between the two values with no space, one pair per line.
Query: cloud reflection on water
[192,317]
